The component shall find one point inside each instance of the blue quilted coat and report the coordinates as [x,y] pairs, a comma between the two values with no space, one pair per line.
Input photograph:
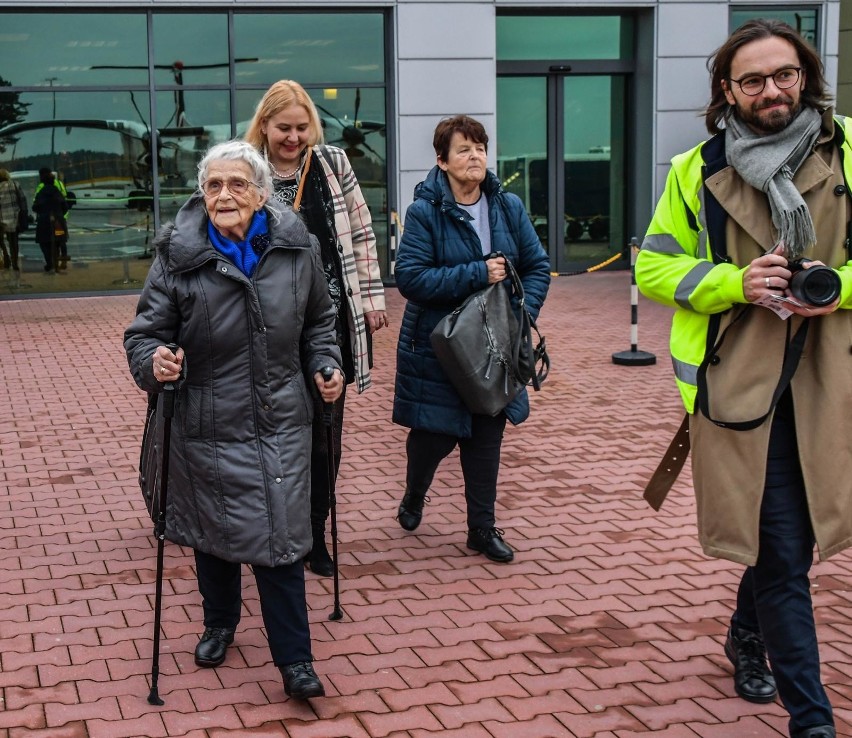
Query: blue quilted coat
[439,264]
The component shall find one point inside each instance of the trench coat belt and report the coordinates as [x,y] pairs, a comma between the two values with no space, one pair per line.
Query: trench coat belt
[669,468]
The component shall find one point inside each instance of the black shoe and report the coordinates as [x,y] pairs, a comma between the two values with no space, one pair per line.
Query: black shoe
[318,560]
[489,541]
[817,731]
[752,679]
[301,681]
[410,510]
[210,650]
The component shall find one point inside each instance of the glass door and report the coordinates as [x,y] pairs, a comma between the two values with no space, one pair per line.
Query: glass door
[592,176]
[522,153]
[561,150]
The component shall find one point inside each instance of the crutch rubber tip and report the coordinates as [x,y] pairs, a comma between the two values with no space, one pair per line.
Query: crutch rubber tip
[336,615]
[154,699]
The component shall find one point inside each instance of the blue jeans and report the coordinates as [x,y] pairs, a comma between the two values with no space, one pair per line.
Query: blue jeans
[774,597]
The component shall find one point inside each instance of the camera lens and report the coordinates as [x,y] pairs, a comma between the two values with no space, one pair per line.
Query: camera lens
[816,286]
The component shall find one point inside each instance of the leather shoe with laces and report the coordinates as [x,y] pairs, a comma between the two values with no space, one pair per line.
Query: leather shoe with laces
[752,679]
[815,731]
[211,649]
[411,509]
[489,541]
[301,681]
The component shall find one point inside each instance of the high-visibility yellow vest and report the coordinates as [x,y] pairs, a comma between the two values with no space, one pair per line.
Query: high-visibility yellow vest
[696,289]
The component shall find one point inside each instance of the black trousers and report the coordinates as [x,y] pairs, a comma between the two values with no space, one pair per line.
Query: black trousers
[282,603]
[480,463]
[320,500]
[774,596]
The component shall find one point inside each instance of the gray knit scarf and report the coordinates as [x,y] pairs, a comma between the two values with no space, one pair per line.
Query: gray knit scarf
[768,163]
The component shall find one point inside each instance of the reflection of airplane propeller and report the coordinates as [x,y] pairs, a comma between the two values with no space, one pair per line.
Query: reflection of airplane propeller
[353,135]
[177,68]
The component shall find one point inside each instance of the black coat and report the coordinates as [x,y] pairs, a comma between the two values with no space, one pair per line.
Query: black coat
[50,207]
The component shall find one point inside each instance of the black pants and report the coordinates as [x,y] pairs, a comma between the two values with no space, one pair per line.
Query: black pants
[774,596]
[480,463]
[282,603]
[320,500]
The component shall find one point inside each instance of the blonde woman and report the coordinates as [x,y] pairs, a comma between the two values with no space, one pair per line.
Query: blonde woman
[320,181]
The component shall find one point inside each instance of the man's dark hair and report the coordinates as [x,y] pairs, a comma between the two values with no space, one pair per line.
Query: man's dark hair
[814,95]
[464,124]
[45,175]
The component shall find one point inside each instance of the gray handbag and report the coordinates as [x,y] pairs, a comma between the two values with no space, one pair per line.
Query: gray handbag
[474,345]
[487,354]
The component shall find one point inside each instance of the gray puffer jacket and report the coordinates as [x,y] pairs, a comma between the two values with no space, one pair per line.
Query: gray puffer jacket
[239,469]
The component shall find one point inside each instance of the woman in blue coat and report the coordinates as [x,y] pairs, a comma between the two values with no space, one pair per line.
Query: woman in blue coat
[460,214]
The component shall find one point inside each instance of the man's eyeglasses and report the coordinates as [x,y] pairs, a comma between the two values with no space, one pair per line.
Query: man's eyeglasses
[235,185]
[753,84]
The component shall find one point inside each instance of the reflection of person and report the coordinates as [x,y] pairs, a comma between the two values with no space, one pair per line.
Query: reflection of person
[70,198]
[12,203]
[719,247]
[50,207]
[460,213]
[238,285]
[332,206]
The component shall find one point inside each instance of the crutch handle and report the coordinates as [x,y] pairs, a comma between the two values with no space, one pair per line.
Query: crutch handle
[327,373]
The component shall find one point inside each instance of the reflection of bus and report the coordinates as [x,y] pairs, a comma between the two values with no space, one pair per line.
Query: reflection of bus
[587,191]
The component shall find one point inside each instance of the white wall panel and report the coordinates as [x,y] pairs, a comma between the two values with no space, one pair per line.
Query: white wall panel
[429,28]
[682,84]
[691,29]
[677,132]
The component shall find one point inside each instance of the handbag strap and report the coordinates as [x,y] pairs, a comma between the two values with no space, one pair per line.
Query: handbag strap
[298,199]
[526,324]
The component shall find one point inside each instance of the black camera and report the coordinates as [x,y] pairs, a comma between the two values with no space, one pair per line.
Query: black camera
[817,285]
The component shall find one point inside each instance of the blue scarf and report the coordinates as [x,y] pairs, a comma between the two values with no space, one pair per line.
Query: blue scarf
[245,254]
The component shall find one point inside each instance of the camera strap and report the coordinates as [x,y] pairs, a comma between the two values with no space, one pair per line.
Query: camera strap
[792,353]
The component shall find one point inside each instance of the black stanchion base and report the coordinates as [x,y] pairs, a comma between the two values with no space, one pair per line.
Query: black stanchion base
[634,358]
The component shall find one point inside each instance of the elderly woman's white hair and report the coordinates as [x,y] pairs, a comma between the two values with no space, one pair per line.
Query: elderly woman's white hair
[235,150]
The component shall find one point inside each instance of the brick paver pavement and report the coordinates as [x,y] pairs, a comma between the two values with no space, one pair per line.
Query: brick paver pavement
[608,624]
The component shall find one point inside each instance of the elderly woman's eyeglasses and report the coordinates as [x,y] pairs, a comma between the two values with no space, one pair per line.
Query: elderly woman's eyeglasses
[235,185]
[753,84]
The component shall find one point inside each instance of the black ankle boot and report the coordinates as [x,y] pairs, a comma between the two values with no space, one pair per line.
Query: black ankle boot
[752,679]
[212,646]
[319,561]
[489,541]
[301,681]
[411,509]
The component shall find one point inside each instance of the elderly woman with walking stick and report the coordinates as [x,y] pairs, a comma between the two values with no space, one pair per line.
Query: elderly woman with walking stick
[237,284]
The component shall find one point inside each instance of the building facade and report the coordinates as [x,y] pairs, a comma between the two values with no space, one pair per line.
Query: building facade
[585,103]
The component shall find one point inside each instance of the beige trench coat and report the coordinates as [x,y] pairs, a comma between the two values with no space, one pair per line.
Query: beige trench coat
[729,467]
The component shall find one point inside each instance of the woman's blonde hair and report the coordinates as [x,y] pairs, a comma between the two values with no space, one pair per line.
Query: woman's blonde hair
[283,94]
